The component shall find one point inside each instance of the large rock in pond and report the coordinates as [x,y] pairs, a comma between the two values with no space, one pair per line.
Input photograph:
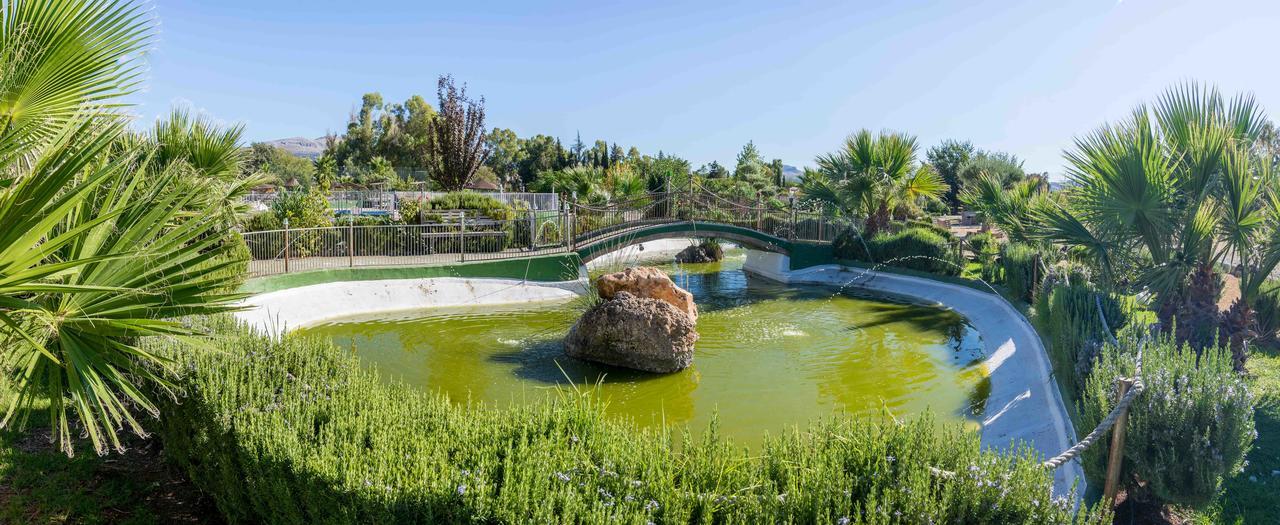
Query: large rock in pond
[634,332]
[647,282]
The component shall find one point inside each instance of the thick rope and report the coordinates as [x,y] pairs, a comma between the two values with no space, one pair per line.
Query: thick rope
[1107,422]
[1103,427]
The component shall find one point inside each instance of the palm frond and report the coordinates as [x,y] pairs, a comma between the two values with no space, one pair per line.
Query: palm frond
[58,57]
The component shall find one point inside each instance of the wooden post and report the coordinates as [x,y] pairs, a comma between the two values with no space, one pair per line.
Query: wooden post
[1116,455]
[351,241]
[286,245]
[462,236]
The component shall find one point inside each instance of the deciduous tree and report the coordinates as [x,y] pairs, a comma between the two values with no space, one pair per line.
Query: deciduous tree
[458,144]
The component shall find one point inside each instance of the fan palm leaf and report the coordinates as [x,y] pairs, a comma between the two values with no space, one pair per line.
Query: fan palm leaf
[57,56]
[142,268]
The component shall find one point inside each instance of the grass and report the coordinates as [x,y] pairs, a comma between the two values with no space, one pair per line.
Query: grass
[1245,500]
[40,484]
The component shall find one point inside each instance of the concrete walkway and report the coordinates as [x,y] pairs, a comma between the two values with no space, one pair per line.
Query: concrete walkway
[1024,406]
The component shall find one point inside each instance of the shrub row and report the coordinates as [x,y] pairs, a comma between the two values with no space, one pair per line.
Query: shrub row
[418,211]
[1190,428]
[295,431]
[914,248]
[1067,315]
[1021,269]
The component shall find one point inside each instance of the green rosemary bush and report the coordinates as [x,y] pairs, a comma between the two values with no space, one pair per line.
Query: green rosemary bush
[1021,268]
[1188,431]
[295,431]
[1067,314]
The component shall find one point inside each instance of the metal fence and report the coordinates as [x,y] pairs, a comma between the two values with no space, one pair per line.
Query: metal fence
[468,238]
[388,201]
[461,235]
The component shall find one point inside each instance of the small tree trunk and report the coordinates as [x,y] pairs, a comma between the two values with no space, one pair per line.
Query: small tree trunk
[1237,327]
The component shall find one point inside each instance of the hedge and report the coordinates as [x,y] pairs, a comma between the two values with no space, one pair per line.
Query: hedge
[914,248]
[295,431]
[1020,264]
[1067,315]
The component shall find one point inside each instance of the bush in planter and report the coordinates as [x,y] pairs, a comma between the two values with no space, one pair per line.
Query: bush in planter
[917,249]
[1020,264]
[427,211]
[1188,431]
[472,201]
[940,230]
[294,430]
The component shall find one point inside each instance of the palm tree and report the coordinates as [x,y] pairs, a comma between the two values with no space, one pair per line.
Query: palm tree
[207,156]
[586,183]
[1171,190]
[103,244]
[873,176]
[1006,207]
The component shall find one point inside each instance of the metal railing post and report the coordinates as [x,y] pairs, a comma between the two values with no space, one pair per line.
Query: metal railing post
[793,220]
[462,236]
[690,197]
[351,242]
[533,230]
[287,242]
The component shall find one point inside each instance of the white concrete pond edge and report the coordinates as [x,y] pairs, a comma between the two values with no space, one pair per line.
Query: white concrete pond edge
[1024,405]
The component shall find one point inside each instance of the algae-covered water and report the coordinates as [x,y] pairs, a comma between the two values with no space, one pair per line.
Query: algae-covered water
[769,356]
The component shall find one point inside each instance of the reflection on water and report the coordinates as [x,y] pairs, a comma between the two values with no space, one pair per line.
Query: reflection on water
[769,355]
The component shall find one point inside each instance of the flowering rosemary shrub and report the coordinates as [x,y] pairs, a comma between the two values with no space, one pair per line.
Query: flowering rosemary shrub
[1188,431]
[295,431]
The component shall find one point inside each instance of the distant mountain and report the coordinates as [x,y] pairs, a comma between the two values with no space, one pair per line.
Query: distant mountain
[300,146]
[791,173]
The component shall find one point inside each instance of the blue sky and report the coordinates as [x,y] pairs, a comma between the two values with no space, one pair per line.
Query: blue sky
[700,80]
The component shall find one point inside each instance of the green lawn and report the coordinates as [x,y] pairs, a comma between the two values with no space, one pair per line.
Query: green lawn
[39,484]
[1247,501]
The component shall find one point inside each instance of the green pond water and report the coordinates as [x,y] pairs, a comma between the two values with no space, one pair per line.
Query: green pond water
[770,356]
